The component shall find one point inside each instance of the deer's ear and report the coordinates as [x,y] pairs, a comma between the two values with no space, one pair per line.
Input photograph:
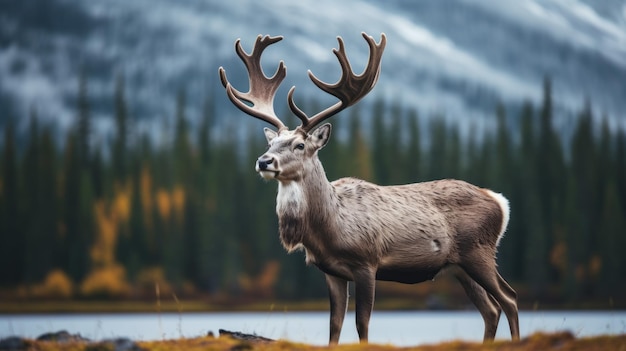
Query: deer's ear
[269,134]
[321,135]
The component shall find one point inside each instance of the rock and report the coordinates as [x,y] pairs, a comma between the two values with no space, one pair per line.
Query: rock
[117,344]
[13,343]
[61,336]
[244,336]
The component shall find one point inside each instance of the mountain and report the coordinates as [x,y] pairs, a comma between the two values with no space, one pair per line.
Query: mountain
[456,58]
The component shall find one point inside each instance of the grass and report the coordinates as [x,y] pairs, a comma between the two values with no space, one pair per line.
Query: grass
[161,305]
[557,341]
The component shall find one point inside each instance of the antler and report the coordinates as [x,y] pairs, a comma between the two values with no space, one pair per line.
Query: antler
[349,89]
[262,89]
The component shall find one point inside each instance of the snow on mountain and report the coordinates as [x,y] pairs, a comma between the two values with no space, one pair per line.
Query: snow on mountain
[454,58]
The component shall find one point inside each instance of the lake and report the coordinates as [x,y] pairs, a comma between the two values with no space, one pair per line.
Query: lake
[400,328]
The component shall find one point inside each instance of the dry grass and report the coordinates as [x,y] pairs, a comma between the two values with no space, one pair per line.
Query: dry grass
[557,341]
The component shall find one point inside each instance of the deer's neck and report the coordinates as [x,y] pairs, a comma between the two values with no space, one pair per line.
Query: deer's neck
[304,207]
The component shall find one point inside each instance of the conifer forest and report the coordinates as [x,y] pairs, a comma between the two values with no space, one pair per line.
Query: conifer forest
[82,216]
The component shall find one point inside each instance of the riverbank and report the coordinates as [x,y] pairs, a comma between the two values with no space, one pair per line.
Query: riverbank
[19,306]
[169,306]
[562,341]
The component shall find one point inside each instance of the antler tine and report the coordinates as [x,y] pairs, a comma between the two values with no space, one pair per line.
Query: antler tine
[262,89]
[350,88]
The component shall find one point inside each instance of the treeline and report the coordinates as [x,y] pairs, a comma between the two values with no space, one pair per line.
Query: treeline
[187,213]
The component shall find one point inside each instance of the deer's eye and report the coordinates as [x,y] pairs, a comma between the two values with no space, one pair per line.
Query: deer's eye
[300,146]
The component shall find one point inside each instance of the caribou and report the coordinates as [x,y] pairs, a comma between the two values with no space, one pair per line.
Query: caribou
[360,232]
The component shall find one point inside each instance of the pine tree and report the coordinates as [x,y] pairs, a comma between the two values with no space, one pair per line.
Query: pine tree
[204,132]
[394,160]
[532,226]
[380,144]
[78,231]
[549,169]
[83,126]
[183,164]
[227,265]
[452,160]
[78,190]
[120,144]
[502,177]
[437,151]
[612,241]
[524,215]
[12,249]
[39,197]
[358,155]
[33,270]
[620,167]
[48,179]
[414,150]
[584,196]
[205,199]
[472,171]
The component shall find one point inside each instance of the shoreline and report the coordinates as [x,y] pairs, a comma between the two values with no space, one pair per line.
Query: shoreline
[205,305]
[63,340]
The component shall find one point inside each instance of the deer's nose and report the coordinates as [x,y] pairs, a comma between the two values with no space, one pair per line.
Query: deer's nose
[264,161]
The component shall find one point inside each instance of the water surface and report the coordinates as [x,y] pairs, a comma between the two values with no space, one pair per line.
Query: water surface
[395,327]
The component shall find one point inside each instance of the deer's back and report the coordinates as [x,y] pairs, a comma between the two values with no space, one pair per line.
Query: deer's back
[417,222]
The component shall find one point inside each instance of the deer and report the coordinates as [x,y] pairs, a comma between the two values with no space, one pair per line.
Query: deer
[356,231]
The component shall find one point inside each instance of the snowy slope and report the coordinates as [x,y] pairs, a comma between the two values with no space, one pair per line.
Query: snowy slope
[452,57]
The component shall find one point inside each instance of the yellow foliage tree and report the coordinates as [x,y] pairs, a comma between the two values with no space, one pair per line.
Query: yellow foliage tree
[172,202]
[56,285]
[178,200]
[146,196]
[263,284]
[103,249]
[108,278]
[164,204]
[121,203]
[149,277]
[109,281]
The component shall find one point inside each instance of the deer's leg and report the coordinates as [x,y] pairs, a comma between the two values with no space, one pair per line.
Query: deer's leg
[364,287]
[338,293]
[487,306]
[484,272]
[512,295]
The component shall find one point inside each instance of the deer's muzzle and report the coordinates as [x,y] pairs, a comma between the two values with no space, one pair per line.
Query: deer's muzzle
[266,166]
[264,161]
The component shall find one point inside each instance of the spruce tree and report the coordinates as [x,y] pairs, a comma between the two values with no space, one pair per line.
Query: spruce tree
[358,154]
[380,143]
[83,124]
[34,266]
[413,155]
[39,193]
[12,249]
[120,143]
[581,228]
[501,182]
[77,236]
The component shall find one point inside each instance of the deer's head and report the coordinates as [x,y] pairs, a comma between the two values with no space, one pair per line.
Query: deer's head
[292,152]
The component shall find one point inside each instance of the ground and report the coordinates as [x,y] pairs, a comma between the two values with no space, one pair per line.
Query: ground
[557,341]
